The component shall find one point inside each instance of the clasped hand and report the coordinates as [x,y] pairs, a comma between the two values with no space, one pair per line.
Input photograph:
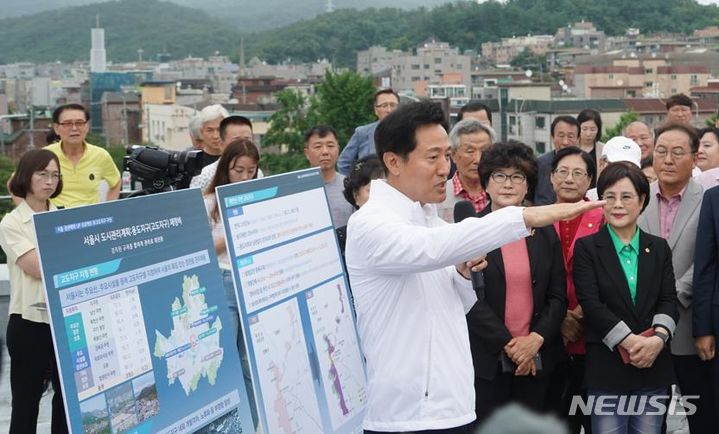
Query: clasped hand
[643,350]
[522,350]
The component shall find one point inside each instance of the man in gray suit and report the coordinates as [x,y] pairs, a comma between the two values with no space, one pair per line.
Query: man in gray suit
[673,213]
[361,143]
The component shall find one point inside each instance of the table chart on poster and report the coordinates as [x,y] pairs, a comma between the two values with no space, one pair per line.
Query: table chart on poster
[108,341]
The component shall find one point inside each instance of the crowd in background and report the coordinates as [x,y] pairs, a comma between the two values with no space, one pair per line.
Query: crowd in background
[619,300]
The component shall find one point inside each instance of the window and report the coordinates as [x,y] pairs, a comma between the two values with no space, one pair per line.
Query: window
[541,147]
[648,84]
[426,66]
[415,78]
[611,76]
[649,71]
[540,122]
[694,79]
[168,92]
[632,93]
[415,67]
[437,60]
[674,77]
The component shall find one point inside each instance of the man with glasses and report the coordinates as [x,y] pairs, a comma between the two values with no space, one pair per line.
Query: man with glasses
[673,213]
[361,143]
[83,166]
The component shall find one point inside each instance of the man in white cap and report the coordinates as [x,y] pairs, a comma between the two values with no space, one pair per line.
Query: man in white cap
[618,148]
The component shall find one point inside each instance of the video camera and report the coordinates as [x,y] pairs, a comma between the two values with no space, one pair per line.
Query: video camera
[158,169]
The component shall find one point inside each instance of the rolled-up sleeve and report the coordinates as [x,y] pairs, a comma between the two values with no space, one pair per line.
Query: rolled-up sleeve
[616,335]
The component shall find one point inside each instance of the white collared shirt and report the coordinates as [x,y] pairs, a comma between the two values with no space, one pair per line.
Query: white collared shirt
[411,305]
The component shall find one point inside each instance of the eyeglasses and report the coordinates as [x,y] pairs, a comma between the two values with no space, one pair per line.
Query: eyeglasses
[677,153]
[70,124]
[576,174]
[387,105]
[625,198]
[501,178]
[49,176]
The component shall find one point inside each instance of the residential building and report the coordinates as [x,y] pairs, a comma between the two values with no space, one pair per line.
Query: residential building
[614,76]
[121,117]
[166,125]
[501,53]
[433,63]
[580,35]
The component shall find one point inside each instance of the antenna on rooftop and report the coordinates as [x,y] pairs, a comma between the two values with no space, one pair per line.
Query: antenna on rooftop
[330,7]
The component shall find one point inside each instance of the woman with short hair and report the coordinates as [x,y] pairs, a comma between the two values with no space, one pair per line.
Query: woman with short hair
[625,285]
[514,326]
[29,341]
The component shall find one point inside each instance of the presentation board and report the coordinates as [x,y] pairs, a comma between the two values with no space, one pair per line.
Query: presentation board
[139,318]
[307,366]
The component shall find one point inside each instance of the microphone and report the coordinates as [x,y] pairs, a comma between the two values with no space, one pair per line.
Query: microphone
[462,210]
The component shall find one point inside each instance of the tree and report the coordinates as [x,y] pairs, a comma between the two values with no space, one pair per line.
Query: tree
[618,128]
[344,101]
[286,133]
[288,124]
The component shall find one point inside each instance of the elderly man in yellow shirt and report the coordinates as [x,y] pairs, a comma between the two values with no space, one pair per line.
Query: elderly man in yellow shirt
[84,166]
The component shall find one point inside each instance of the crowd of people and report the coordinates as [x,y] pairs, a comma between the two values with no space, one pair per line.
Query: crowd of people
[598,261]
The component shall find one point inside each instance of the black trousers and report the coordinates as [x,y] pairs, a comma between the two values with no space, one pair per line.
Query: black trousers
[466,429]
[565,383]
[32,360]
[504,388]
[696,377]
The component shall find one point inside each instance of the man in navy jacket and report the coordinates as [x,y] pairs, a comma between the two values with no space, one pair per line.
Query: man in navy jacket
[361,143]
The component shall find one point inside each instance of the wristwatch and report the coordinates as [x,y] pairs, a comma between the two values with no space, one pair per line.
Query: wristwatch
[663,336]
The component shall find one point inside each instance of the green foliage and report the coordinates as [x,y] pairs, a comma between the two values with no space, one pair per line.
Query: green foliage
[528,60]
[618,128]
[288,124]
[154,26]
[250,15]
[468,24]
[273,164]
[344,101]
[711,122]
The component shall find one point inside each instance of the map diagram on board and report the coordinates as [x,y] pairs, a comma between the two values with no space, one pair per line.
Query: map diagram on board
[192,350]
[285,376]
[338,351]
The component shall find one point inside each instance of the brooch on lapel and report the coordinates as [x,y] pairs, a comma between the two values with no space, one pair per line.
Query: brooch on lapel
[647,250]
[531,234]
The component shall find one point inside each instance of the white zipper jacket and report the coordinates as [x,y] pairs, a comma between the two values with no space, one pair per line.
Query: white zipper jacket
[411,304]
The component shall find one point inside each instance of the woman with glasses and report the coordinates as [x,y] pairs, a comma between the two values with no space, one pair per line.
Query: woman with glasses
[572,173]
[625,284]
[514,327]
[32,357]
[238,162]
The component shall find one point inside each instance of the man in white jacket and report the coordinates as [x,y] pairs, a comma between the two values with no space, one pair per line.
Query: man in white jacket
[409,272]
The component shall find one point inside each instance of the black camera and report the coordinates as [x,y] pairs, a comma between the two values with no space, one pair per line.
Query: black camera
[158,169]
